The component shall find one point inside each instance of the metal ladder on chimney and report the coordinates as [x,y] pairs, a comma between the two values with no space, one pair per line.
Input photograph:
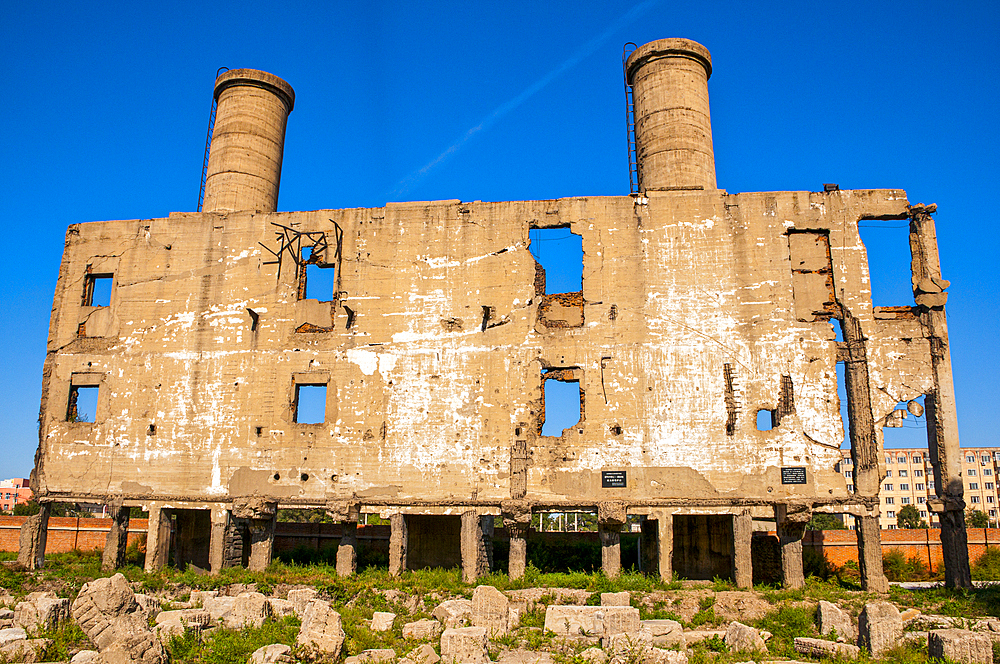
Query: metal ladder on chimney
[633,168]
[208,142]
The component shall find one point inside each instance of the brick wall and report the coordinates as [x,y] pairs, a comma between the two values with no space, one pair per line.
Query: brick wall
[840,546]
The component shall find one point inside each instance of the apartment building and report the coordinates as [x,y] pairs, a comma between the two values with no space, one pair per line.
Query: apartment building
[909,480]
[14,491]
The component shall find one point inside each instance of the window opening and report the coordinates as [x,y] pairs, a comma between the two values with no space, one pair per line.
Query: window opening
[563,402]
[765,420]
[82,403]
[310,404]
[97,290]
[560,253]
[842,395]
[316,279]
[903,428]
[887,243]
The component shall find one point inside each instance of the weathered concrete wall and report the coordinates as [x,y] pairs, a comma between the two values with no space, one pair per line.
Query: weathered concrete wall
[695,315]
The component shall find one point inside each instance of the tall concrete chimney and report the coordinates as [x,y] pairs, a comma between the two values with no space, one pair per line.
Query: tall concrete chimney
[673,129]
[244,163]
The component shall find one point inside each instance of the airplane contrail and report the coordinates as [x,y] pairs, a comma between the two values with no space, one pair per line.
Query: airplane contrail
[503,109]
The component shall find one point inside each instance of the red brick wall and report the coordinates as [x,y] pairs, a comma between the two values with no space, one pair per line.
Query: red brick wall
[68,533]
[840,546]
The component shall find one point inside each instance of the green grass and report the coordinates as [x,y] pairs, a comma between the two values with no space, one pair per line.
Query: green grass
[65,638]
[231,646]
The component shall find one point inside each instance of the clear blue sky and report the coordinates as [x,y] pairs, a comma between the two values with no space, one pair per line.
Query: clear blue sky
[106,107]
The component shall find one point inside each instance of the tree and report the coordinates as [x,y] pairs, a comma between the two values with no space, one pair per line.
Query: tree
[909,517]
[976,519]
[825,522]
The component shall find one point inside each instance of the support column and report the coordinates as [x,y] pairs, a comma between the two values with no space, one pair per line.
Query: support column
[157,537]
[117,541]
[517,520]
[929,291]
[869,536]
[398,541]
[31,542]
[790,532]
[665,541]
[261,543]
[217,543]
[474,558]
[347,551]
[742,539]
[611,550]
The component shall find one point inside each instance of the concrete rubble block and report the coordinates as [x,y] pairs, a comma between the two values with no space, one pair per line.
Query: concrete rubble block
[198,597]
[464,645]
[41,611]
[27,650]
[628,646]
[84,657]
[960,645]
[423,654]
[591,620]
[220,608]
[741,605]
[743,638]
[594,655]
[821,648]
[199,617]
[148,606]
[880,627]
[108,613]
[6,618]
[249,609]
[300,598]
[276,653]
[664,632]
[524,657]
[831,617]
[137,648]
[491,609]
[321,633]
[616,599]
[382,621]
[909,615]
[454,613]
[281,607]
[372,656]
[422,629]
[12,634]
[533,596]
[697,635]
[661,656]
[168,629]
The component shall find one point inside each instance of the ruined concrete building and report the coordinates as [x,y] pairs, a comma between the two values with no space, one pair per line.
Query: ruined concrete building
[699,310]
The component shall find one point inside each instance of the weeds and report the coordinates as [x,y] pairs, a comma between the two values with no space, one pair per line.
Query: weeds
[225,646]
[987,567]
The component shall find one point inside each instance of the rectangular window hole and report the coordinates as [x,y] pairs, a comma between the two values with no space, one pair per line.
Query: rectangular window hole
[82,403]
[310,404]
[887,243]
[906,426]
[317,279]
[97,290]
[259,431]
[765,420]
[560,253]
[562,406]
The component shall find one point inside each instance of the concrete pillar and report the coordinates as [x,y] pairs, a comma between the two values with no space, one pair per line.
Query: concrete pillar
[869,536]
[218,538]
[157,537]
[611,550]
[244,164]
[347,554]
[742,540]
[648,546]
[475,557]
[261,543]
[942,416]
[517,520]
[673,126]
[398,544]
[790,534]
[117,541]
[665,542]
[31,542]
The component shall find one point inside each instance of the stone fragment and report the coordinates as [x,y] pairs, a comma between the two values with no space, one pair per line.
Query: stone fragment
[454,613]
[660,656]
[300,598]
[742,638]
[821,648]
[249,609]
[831,617]
[594,656]
[616,599]
[524,657]
[491,610]
[321,633]
[664,632]
[464,645]
[148,606]
[107,611]
[741,605]
[960,645]
[424,654]
[591,620]
[422,629]
[199,617]
[168,629]
[879,627]
[382,621]
[28,651]
[276,653]
[6,618]
[198,597]
[12,634]
[628,646]
[372,656]
[908,616]
[84,657]
[532,596]
[42,610]
[220,608]
[697,635]
[281,607]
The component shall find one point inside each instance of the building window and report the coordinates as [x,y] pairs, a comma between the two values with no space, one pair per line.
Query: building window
[988,485]
[985,459]
[918,487]
[892,515]
[850,487]
[563,400]
[905,500]
[918,473]
[84,391]
[987,471]
[973,486]
[848,473]
[888,460]
[849,462]
[930,486]
[971,471]
[901,460]
[902,473]
[904,487]
[917,458]
[97,289]
[923,514]
[890,500]
[887,487]
[993,512]
[991,499]
[888,473]
[975,499]
[921,500]
[317,278]
[970,459]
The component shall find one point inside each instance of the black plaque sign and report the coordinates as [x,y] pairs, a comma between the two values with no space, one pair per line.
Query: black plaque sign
[613,479]
[793,475]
